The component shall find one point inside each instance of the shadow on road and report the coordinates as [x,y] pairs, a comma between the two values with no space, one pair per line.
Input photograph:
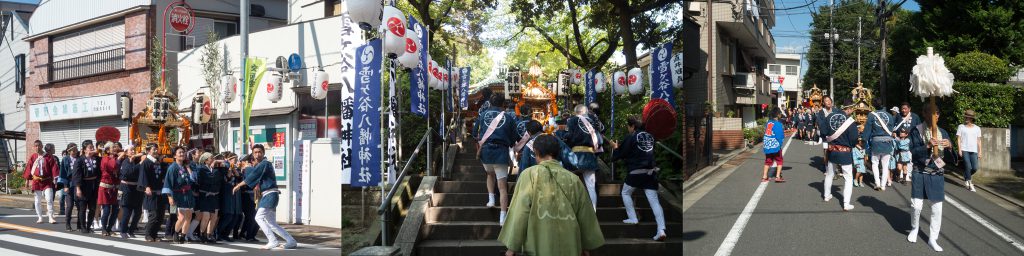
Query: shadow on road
[898,219]
[820,188]
[694,235]
[818,163]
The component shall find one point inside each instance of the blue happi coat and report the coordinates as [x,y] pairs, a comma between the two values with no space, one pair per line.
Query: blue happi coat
[495,149]
[876,139]
[262,176]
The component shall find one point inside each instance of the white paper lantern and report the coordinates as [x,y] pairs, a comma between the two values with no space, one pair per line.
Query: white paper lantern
[432,75]
[366,13]
[228,88]
[619,82]
[319,86]
[202,110]
[410,58]
[272,84]
[677,71]
[393,21]
[455,76]
[444,77]
[599,82]
[577,76]
[635,81]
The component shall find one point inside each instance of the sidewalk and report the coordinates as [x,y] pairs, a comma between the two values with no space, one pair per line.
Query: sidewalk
[1006,187]
[317,235]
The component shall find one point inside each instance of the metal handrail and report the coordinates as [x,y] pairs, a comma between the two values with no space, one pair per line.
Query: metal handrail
[456,123]
[385,205]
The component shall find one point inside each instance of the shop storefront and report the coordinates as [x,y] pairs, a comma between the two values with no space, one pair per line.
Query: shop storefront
[74,120]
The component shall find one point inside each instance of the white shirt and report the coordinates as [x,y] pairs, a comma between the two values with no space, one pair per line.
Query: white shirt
[968,137]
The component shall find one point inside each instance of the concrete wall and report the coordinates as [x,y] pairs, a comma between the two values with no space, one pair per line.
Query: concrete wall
[995,152]
[12,104]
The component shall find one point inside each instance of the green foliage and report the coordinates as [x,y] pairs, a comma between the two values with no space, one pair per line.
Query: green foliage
[982,67]
[15,180]
[155,53]
[993,104]
[754,135]
[995,27]
[212,69]
[762,121]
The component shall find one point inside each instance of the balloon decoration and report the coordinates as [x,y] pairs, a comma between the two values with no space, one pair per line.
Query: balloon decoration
[365,12]
[635,81]
[273,88]
[677,71]
[410,58]
[228,88]
[393,21]
[619,80]
[318,87]
[599,82]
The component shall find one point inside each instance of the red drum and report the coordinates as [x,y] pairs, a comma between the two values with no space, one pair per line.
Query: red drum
[659,119]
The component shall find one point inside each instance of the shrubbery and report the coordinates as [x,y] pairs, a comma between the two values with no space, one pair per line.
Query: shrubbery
[980,67]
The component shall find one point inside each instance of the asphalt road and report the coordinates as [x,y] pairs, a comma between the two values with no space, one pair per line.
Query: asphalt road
[792,219]
[20,235]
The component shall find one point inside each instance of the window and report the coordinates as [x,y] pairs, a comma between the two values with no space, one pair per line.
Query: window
[791,70]
[88,52]
[774,69]
[223,28]
[19,74]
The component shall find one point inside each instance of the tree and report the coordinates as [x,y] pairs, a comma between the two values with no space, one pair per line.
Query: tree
[153,59]
[994,27]
[212,69]
[845,59]
[883,12]
[581,33]
[639,24]
[459,22]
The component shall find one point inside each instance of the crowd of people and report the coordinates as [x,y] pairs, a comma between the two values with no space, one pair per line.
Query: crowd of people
[897,144]
[207,197]
[557,176]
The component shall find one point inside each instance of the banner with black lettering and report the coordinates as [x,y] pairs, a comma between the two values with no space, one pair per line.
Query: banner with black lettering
[366,141]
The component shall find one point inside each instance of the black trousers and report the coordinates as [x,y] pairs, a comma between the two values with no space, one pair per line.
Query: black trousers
[156,204]
[248,227]
[87,204]
[171,220]
[130,216]
[225,224]
[69,211]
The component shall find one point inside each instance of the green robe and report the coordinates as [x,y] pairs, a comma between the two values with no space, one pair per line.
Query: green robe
[550,214]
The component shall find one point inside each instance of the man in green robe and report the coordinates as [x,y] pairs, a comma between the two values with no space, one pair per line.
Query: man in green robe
[551,213]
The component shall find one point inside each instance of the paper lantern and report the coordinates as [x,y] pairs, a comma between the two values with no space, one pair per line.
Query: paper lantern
[619,82]
[393,21]
[435,72]
[634,79]
[455,75]
[366,13]
[599,82]
[201,110]
[677,70]
[444,77]
[228,88]
[319,86]
[272,85]
[410,57]
[575,76]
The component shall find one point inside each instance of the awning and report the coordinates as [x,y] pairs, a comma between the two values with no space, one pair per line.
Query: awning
[260,112]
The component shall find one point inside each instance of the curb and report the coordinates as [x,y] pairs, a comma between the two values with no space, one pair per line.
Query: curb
[954,177]
[702,175]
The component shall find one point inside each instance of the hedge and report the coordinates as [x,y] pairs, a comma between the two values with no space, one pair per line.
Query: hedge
[994,105]
[980,67]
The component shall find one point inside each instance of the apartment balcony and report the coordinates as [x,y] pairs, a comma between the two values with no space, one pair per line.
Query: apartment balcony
[749,25]
[87,65]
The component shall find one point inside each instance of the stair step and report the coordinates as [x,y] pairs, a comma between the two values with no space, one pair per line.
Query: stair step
[479,199]
[489,230]
[612,246]
[481,187]
[483,213]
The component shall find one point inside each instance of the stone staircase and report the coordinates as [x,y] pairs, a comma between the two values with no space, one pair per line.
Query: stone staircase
[458,223]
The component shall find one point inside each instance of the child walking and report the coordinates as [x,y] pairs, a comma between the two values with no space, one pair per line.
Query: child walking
[903,155]
[858,163]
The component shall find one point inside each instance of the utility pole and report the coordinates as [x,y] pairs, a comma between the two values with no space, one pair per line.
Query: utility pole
[831,51]
[711,60]
[858,49]
[243,12]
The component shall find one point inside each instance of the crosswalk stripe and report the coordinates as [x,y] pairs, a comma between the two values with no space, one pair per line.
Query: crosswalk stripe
[209,248]
[9,252]
[301,246]
[54,246]
[116,244]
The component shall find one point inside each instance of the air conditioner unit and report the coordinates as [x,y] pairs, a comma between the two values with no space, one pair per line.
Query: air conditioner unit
[744,80]
[693,8]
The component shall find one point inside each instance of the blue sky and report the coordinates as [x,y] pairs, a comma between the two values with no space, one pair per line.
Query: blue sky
[792,26]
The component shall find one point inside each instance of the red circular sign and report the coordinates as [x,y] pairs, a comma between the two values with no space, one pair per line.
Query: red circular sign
[396,27]
[410,45]
[206,107]
[324,85]
[270,87]
[182,19]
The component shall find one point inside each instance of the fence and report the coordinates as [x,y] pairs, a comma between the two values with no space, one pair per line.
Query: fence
[88,65]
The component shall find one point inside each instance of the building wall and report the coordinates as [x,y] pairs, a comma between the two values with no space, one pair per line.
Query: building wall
[134,79]
[723,94]
[12,104]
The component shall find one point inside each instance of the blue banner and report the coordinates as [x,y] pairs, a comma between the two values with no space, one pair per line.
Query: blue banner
[419,104]
[366,116]
[588,86]
[661,74]
[464,87]
[448,89]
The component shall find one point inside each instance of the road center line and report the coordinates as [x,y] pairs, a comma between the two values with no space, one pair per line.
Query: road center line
[983,222]
[741,222]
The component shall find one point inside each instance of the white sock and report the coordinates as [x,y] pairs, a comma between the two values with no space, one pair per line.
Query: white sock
[490,198]
[501,218]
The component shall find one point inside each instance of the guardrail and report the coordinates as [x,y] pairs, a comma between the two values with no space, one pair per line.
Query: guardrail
[88,65]
[385,205]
